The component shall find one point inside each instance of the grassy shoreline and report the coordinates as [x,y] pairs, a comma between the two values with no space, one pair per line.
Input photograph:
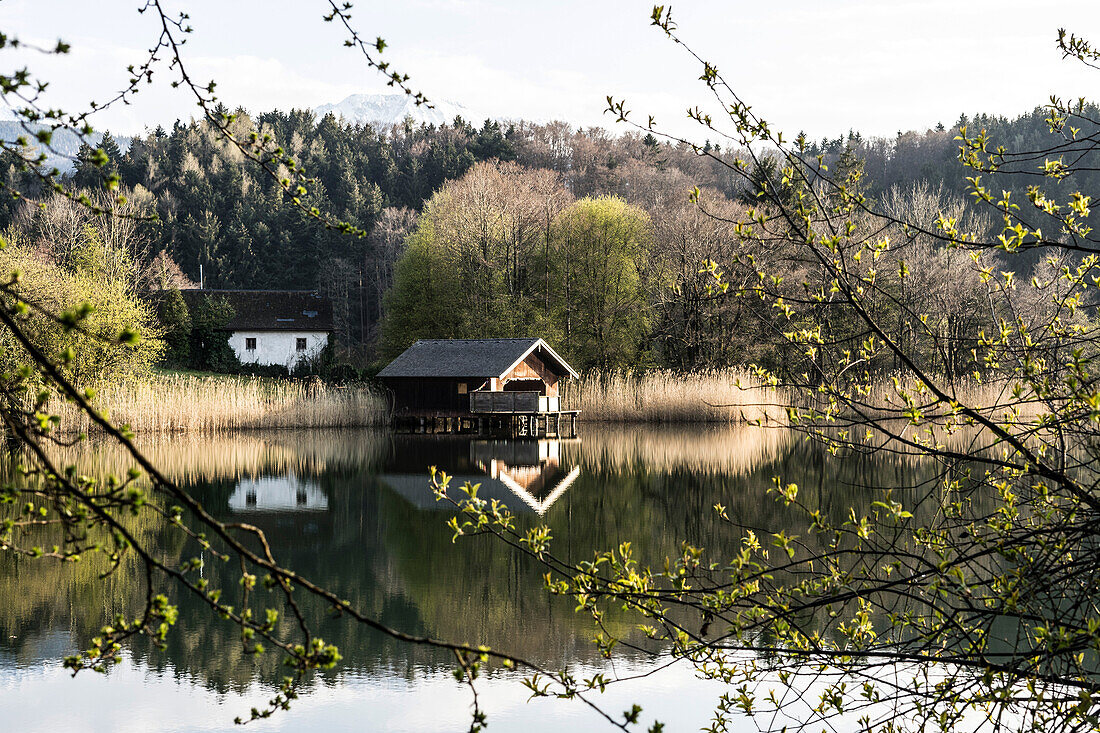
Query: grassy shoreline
[186,403]
[175,403]
[666,396]
[179,403]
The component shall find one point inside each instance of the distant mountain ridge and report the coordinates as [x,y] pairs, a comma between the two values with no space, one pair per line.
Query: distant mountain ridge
[384,110]
[381,110]
[65,143]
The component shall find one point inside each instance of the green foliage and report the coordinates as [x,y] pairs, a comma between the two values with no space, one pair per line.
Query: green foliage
[475,267]
[96,313]
[245,230]
[416,306]
[209,345]
[490,259]
[175,319]
[98,167]
[598,271]
[763,181]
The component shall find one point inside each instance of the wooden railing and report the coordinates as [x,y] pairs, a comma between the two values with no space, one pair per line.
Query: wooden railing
[513,402]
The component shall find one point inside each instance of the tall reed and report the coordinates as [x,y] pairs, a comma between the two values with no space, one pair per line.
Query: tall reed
[702,449]
[885,397]
[166,404]
[206,456]
[718,395]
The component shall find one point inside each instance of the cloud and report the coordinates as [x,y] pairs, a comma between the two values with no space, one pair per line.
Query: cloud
[262,84]
[823,67]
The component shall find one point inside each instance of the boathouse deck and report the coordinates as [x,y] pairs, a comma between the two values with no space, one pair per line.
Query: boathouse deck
[487,387]
[509,414]
[529,402]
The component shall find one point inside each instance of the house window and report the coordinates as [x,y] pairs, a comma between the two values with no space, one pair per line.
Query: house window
[250,344]
[462,388]
[301,344]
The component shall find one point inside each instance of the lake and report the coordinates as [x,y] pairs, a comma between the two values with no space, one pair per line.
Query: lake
[352,511]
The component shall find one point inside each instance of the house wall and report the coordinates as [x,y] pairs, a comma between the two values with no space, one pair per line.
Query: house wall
[277,347]
[428,395]
[533,368]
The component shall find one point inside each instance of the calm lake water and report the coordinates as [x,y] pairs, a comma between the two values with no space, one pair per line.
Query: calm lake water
[352,511]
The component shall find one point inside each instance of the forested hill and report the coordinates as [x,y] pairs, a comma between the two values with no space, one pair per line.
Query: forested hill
[932,156]
[219,213]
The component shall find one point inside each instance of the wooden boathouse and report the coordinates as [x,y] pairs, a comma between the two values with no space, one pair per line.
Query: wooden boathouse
[501,387]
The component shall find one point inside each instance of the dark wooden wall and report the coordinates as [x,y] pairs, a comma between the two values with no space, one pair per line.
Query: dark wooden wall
[431,395]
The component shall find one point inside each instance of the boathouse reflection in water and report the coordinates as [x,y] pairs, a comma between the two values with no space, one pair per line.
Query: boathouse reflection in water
[525,475]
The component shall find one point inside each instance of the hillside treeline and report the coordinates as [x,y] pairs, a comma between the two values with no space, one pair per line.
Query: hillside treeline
[507,251]
[603,248]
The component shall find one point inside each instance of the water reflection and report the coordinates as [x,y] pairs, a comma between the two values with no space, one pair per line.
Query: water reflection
[352,511]
[525,475]
[277,494]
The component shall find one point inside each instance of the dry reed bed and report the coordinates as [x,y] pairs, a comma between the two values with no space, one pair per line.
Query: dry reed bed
[992,398]
[186,457]
[713,449]
[203,456]
[721,395]
[168,404]
[171,404]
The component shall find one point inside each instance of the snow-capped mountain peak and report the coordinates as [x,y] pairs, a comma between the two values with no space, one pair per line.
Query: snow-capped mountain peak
[390,109]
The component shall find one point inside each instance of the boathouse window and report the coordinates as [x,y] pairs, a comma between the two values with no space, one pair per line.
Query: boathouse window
[250,344]
[462,388]
[301,344]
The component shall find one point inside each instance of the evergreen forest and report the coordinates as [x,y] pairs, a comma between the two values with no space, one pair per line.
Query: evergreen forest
[608,245]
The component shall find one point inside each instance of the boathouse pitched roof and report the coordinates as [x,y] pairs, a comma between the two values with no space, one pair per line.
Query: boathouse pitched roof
[271,310]
[484,358]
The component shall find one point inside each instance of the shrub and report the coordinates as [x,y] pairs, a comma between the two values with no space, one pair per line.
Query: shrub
[175,319]
[93,351]
[210,349]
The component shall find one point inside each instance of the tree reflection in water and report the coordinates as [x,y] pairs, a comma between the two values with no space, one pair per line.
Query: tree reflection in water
[352,511]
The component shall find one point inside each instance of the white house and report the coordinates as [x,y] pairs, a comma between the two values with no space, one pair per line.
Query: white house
[277,494]
[270,327]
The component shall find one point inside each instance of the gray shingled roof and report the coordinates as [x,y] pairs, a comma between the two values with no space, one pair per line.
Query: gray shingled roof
[484,358]
[271,310]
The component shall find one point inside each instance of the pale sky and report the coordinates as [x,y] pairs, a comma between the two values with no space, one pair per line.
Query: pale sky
[824,66]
